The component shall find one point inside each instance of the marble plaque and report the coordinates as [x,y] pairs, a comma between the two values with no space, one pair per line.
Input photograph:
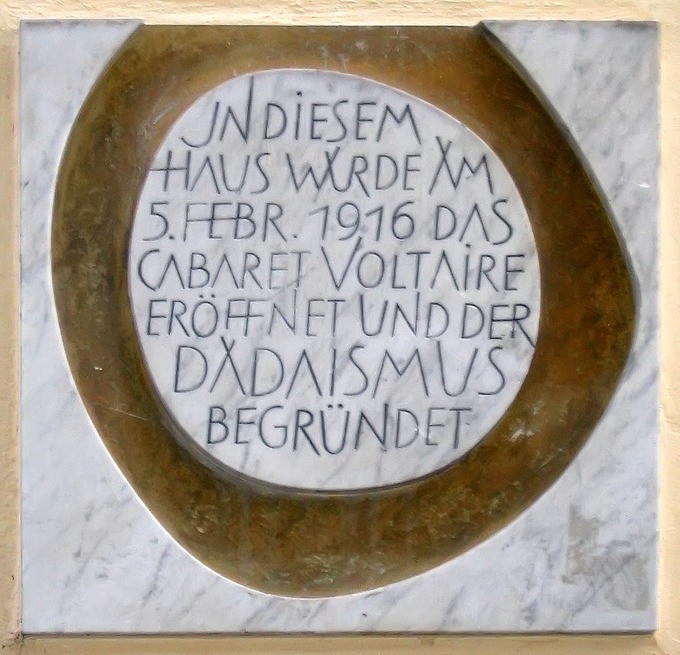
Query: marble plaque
[357,336]
[335,284]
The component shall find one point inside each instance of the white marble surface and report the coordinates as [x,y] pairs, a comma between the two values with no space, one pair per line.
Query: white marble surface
[324,288]
[583,557]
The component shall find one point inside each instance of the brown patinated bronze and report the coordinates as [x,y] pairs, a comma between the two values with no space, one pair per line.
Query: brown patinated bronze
[327,544]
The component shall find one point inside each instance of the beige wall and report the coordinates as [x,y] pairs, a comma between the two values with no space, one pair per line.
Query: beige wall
[667,12]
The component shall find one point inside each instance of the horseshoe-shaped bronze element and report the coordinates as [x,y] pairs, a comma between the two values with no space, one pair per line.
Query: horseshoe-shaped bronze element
[328,544]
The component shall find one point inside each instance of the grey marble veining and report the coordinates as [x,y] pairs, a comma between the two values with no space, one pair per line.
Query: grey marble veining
[583,557]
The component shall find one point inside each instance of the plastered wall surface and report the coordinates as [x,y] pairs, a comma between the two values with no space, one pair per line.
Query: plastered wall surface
[667,638]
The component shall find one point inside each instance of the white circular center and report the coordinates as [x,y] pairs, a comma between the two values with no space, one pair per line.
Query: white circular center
[334,283]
